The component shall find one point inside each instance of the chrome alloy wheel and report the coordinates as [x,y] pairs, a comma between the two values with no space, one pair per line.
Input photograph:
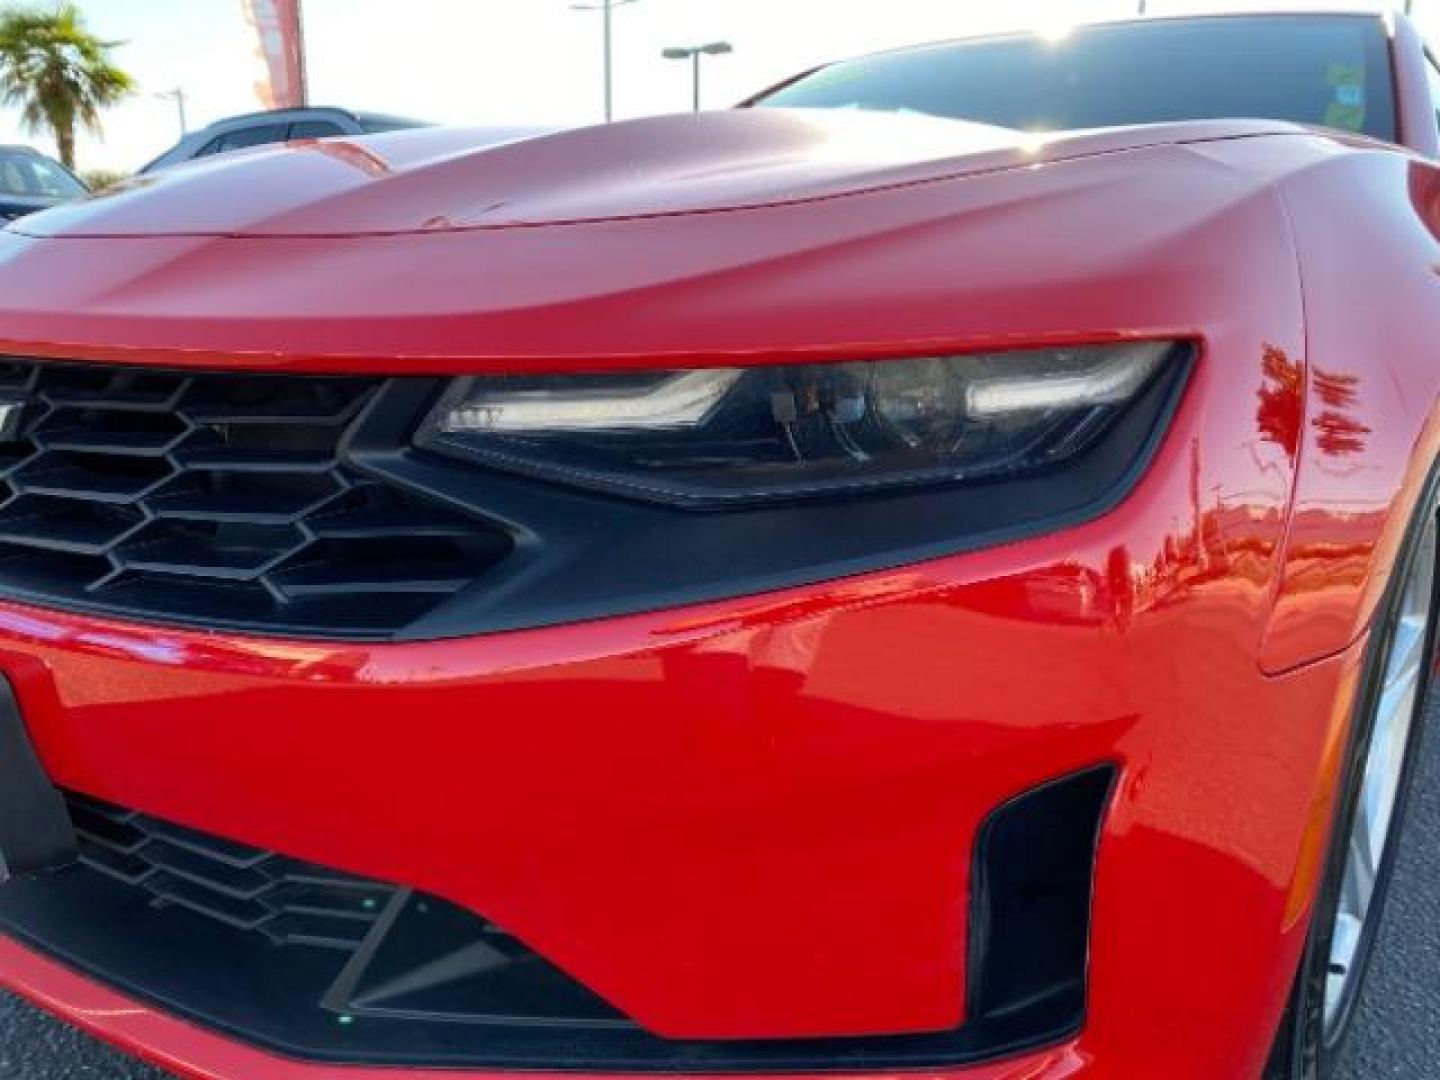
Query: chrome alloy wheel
[1393,718]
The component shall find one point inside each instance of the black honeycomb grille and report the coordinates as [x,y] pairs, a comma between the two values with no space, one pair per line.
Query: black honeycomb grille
[283,900]
[219,499]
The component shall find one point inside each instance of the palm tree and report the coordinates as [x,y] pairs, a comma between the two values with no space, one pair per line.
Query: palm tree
[58,73]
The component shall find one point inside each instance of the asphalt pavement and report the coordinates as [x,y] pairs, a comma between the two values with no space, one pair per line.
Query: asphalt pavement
[1397,1032]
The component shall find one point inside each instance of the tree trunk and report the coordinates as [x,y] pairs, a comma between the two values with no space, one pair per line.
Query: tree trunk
[65,143]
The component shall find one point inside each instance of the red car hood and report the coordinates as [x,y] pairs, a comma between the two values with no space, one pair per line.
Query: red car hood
[432,180]
[741,237]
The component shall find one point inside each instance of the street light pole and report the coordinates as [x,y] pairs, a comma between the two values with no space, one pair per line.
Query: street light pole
[693,54]
[605,7]
[178,96]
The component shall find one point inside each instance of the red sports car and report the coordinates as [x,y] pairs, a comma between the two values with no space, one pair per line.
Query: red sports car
[932,570]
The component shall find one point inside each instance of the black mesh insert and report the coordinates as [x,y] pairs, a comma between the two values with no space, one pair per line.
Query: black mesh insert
[218,498]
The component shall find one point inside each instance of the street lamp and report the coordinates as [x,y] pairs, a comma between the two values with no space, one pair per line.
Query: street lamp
[178,96]
[693,54]
[605,7]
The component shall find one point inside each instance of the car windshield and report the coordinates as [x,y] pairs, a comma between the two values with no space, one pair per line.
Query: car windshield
[24,173]
[1327,70]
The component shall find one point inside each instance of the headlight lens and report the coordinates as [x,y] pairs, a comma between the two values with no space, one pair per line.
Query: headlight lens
[722,436]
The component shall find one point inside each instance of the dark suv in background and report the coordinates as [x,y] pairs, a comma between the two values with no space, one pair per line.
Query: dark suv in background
[276,126]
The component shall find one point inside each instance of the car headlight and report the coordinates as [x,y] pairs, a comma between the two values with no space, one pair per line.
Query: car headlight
[722,436]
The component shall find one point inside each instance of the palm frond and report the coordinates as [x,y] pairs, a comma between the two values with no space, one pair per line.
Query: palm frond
[56,72]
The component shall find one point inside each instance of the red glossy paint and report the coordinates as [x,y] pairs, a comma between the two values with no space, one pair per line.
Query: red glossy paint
[818,277]
[754,818]
[419,182]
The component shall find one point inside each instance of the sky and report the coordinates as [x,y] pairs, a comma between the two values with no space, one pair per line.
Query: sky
[523,62]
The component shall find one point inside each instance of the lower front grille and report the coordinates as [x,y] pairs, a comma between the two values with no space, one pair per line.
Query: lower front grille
[302,958]
[218,498]
[284,901]
[325,966]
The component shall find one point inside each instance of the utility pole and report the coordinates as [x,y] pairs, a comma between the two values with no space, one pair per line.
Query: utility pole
[693,53]
[605,7]
[178,96]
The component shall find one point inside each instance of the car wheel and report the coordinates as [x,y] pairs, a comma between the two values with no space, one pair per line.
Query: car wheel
[1380,763]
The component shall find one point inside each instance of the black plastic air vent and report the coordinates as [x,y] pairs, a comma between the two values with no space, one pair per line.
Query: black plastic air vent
[1034,872]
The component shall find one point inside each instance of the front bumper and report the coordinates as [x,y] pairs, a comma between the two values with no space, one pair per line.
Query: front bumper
[753,820]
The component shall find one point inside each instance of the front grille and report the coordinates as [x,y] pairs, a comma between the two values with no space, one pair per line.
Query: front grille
[372,950]
[284,901]
[304,959]
[218,498]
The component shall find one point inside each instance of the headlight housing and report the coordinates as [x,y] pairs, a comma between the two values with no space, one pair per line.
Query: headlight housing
[736,436]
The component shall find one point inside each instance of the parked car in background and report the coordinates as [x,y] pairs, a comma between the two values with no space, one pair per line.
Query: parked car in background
[277,126]
[30,181]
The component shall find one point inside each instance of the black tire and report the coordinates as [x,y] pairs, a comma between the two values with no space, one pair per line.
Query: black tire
[1304,1048]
